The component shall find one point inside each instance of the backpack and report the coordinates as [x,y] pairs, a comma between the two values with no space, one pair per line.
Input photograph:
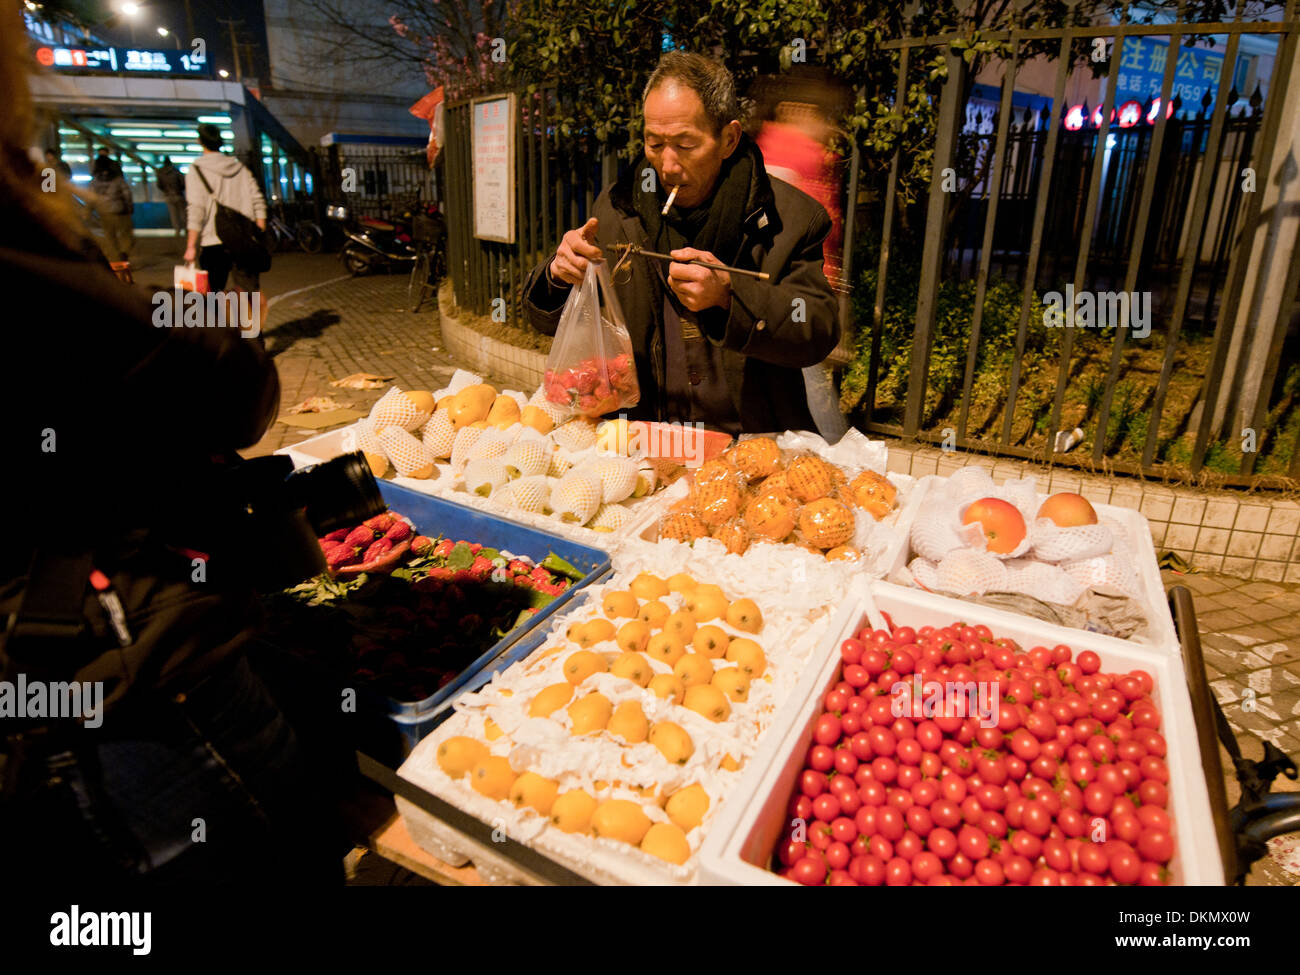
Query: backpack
[243,238]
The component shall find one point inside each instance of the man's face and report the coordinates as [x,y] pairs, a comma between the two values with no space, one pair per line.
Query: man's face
[681,144]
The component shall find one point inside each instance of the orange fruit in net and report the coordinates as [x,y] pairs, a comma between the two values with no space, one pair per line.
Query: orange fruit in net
[810,478]
[826,523]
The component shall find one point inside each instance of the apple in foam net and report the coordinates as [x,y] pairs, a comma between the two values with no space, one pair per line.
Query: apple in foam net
[1003,525]
[1068,510]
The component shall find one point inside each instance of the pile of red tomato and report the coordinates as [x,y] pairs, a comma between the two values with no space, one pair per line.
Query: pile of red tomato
[1068,787]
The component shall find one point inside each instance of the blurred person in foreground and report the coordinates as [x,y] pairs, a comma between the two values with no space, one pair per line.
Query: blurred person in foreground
[795,135]
[114,204]
[710,346]
[186,771]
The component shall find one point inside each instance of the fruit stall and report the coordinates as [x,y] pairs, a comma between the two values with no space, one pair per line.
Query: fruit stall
[763,661]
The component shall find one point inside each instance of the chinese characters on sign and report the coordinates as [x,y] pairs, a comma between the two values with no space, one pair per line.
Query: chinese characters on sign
[1142,70]
[116,60]
[493,144]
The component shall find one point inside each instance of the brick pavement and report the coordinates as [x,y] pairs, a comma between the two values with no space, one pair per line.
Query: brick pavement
[1250,631]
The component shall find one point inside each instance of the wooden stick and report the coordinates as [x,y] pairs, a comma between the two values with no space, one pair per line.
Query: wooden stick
[634,249]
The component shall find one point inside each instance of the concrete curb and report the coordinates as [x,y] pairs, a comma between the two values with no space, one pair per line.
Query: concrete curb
[473,349]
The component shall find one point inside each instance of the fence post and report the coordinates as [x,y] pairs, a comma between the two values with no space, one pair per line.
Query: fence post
[932,251]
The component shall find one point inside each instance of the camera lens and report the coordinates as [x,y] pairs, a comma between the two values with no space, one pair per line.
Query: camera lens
[339,493]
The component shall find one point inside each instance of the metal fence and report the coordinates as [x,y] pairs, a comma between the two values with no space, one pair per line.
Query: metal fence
[557,178]
[377,181]
[1055,208]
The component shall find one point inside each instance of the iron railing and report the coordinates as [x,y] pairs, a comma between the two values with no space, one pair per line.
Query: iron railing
[1158,208]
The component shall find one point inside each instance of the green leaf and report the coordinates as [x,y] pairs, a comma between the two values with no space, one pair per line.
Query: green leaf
[461,557]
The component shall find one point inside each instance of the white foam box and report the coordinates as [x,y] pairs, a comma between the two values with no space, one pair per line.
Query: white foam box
[646,526]
[322,447]
[1137,531]
[739,848]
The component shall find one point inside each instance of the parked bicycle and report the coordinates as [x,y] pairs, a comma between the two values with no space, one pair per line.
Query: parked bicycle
[429,233]
[306,233]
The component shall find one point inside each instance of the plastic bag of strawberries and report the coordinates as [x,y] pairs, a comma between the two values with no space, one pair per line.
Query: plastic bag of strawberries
[590,369]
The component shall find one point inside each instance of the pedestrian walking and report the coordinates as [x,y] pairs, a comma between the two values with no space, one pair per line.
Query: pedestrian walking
[57,163]
[171,184]
[216,180]
[114,205]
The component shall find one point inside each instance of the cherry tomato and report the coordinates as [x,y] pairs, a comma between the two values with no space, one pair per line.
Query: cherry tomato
[821,758]
[851,650]
[945,813]
[1112,777]
[826,807]
[846,763]
[1088,662]
[993,823]
[867,870]
[1035,818]
[1153,793]
[1072,822]
[1153,875]
[856,675]
[884,769]
[827,731]
[1125,866]
[926,866]
[789,852]
[836,701]
[989,873]
[1156,845]
[810,872]
[812,783]
[890,823]
[881,848]
[973,842]
[1153,817]
[920,822]
[909,846]
[1154,768]
[819,837]
[837,855]
[850,724]
[873,793]
[898,873]
[802,808]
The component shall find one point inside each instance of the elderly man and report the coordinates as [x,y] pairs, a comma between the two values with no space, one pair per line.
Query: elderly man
[719,348]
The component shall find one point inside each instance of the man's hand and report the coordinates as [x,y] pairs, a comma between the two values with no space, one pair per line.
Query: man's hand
[698,287]
[190,254]
[576,249]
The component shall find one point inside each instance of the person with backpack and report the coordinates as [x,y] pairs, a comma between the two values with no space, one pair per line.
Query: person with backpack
[115,206]
[171,184]
[226,214]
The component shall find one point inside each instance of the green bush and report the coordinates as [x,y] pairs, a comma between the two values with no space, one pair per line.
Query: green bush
[954,313]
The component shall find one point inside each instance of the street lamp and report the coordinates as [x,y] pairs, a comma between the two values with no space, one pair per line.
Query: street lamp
[130,10]
[223,72]
[164,33]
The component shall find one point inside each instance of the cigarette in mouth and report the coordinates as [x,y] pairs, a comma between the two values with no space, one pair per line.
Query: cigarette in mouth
[671,196]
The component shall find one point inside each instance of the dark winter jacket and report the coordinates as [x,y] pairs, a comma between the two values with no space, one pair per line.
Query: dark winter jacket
[113,193]
[112,453]
[768,336]
[171,183]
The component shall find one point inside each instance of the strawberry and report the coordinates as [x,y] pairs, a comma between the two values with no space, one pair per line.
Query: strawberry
[539,574]
[398,532]
[443,548]
[422,545]
[377,550]
[342,555]
[336,536]
[475,548]
[525,582]
[482,567]
[463,575]
[440,573]
[359,537]
[519,567]
[380,523]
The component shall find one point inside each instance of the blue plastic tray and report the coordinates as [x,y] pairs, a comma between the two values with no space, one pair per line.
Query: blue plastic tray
[414,727]
[433,517]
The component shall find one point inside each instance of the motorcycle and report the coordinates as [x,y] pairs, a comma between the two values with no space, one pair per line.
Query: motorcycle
[374,244]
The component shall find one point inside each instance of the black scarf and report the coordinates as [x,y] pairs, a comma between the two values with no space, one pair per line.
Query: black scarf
[717,224]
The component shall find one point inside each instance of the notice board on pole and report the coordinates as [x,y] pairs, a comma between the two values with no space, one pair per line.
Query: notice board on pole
[493,146]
